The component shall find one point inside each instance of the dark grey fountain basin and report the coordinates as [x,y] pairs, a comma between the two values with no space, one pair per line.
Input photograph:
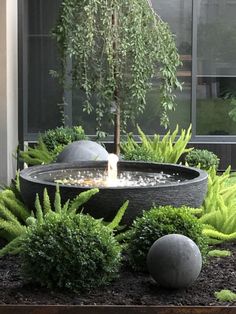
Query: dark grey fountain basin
[105,204]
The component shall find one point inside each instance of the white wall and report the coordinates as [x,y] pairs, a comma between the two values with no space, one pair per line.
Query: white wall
[8,89]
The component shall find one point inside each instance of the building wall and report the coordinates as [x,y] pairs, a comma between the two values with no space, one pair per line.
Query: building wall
[8,89]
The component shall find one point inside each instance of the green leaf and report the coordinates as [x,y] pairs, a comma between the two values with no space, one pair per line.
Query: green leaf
[117,219]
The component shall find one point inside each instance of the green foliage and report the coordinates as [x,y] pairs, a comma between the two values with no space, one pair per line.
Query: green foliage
[219,208]
[78,250]
[225,296]
[37,155]
[117,219]
[15,217]
[219,253]
[81,199]
[116,47]
[202,158]
[157,222]
[50,144]
[62,136]
[168,149]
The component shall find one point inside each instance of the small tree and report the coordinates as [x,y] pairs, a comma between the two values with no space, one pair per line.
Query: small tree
[116,47]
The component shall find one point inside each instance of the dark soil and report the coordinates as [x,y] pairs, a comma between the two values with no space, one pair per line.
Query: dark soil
[130,289]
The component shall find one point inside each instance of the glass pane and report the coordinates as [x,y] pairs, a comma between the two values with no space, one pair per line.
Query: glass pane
[216,37]
[178,14]
[42,15]
[215,106]
[216,67]
[43,93]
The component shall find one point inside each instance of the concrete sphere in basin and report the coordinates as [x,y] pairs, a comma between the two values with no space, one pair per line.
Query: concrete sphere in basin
[174,261]
[83,150]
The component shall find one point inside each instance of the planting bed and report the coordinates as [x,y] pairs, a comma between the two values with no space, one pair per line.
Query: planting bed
[130,289]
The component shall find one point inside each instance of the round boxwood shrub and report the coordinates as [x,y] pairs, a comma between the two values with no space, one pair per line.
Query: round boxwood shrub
[56,139]
[74,252]
[156,223]
[203,158]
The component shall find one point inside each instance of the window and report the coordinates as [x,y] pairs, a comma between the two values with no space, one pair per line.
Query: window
[206,39]
[216,67]
[41,93]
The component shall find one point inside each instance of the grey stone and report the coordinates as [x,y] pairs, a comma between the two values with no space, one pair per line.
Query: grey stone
[83,151]
[174,261]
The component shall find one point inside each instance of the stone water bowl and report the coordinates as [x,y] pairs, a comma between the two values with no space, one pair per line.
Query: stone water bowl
[187,186]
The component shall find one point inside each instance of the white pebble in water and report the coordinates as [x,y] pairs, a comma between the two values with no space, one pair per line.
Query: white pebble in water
[97,178]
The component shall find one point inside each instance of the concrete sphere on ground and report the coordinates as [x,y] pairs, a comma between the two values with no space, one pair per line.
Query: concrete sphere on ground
[174,261]
[83,151]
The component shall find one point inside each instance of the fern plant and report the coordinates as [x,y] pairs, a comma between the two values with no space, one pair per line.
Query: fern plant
[37,155]
[168,149]
[50,144]
[219,208]
[13,212]
[16,229]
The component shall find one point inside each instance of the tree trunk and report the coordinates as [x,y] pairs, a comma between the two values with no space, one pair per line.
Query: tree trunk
[117,128]
[116,95]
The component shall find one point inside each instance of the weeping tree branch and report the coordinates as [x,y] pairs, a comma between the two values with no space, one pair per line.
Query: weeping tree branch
[116,47]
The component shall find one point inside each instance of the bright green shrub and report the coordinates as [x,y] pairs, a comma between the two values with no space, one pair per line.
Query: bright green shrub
[13,228]
[202,158]
[219,253]
[50,144]
[219,208]
[157,222]
[225,296]
[13,212]
[62,136]
[71,251]
[168,149]
[37,155]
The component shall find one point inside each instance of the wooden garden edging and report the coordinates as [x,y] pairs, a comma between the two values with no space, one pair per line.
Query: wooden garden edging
[111,309]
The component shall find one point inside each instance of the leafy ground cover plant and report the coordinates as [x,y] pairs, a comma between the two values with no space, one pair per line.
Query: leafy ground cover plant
[72,251]
[157,222]
[50,144]
[219,208]
[225,295]
[219,253]
[202,158]
[168,149]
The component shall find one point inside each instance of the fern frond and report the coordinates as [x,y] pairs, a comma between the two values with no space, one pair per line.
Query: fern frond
[66,206]
[13,247]
[7,214]
[11,228]
[39,211]
[57,200]
[157,149]
[16,207]
[46,202]
[117,219]
[219,235]
[81,199]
